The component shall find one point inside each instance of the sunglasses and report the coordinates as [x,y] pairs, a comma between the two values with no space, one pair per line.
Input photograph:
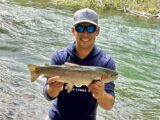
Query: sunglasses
[90,28]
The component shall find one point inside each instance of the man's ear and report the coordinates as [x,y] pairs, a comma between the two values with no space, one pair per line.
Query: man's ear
[72,30]
[97,31]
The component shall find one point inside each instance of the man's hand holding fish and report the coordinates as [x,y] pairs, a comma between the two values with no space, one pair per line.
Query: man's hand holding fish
[54,87]
[98,92]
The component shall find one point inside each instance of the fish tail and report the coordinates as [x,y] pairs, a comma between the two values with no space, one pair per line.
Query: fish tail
[33,71]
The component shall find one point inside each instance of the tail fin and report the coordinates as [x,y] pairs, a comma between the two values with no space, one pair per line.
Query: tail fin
[34,73]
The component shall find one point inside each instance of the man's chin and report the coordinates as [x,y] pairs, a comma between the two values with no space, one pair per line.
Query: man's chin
[84,45]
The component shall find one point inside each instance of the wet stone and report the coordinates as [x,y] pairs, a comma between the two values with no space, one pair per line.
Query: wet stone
[10,114]
[18,102]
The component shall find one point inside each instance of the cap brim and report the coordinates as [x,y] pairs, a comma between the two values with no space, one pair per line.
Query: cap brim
[84,21]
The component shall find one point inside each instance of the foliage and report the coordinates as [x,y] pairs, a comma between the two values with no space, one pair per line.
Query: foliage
[150,6]
[152,10]
[105,4]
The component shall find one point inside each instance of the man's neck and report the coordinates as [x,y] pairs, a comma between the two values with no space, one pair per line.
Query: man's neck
[83,53]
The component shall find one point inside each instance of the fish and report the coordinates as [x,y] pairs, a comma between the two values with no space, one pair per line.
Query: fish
[73,74]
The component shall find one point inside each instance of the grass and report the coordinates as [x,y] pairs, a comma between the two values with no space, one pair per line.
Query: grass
[150,6]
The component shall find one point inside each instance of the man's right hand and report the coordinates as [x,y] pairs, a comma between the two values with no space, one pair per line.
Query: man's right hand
[54,87]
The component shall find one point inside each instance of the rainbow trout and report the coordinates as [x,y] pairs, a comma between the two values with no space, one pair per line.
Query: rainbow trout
[73,73]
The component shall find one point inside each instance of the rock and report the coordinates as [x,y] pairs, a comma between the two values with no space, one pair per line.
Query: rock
[158,16]
[144,14]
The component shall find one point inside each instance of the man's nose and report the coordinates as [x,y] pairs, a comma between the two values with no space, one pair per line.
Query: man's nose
[85,33]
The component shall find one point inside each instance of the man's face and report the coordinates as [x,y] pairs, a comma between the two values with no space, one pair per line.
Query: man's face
[85,40]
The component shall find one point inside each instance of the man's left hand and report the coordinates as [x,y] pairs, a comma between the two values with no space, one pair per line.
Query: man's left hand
[97,89]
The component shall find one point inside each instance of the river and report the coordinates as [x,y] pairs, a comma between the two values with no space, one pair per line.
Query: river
[30,33]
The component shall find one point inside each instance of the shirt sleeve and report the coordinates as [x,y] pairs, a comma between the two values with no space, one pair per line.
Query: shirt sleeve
[110,64]
[109,87]
[45,93]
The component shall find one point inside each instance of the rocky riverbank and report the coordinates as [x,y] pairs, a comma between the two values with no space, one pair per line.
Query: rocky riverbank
[146,10]
[143,14]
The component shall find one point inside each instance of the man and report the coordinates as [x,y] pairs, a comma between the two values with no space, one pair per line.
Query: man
[81,102]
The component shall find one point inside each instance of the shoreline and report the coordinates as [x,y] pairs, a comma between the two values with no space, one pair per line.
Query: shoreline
[146,10]
[143,14]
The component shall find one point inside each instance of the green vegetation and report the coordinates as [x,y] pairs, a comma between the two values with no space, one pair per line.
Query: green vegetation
[152,10]
[75,4]
[150,6]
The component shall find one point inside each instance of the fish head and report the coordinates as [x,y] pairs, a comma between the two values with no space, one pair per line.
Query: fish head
[109,77]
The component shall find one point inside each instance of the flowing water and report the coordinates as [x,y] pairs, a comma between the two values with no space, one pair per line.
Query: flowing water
[31,31]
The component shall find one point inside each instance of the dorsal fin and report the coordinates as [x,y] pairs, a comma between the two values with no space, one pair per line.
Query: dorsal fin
[70,64]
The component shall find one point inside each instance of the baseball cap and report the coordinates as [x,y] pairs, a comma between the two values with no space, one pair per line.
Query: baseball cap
[86,15]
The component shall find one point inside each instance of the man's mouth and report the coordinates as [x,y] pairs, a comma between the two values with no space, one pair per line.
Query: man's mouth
[84,39]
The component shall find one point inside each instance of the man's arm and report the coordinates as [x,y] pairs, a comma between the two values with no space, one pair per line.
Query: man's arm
[52,88]
[104,99]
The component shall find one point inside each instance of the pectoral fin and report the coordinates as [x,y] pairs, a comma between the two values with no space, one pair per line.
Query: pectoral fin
[69,87]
